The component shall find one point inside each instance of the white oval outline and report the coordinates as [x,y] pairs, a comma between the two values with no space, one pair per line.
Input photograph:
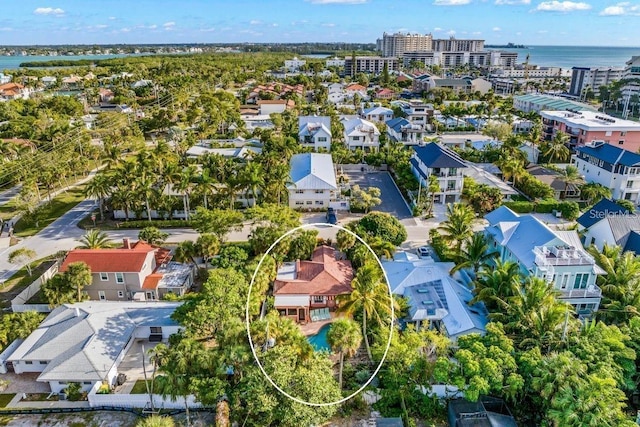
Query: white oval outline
[253,350]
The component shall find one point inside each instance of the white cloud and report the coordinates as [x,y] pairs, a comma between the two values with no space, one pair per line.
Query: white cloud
[499,2]
[6,29]
[476,33]
[275,24]
[101,26]
[562,6]
[519,33]
[255,22]
[112,18]
[169,26]
[619,9]
[207,30]
[329,24]
[542,31]
[48,11]
[337,1]
[497,29]
[436,29]
[451,32]
[450,2]
[125,30]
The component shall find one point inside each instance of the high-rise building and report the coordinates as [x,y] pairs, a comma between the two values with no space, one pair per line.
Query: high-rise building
[457,45]
[584,77]
[399,43]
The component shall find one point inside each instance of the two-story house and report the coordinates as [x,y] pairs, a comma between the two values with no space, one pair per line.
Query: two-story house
[306,290]
[136,271]
[611,166]
[443,163]
[555,256]
[377,114]
[315,132]
[608,223]
[418,113]
[360,133]
[313,182]
[401,130]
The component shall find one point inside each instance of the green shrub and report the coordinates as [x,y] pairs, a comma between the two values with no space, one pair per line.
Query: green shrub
[440,246]
[519,207]
[546,206]
[169,223]
[569,210]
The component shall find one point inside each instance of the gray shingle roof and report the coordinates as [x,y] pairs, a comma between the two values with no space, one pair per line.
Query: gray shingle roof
[81,341]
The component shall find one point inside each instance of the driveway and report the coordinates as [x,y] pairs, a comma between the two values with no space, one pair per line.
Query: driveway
[24,383]
[131,364]
[392,201]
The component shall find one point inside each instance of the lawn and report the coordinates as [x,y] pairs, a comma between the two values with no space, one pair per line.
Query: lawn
[53,210]
[139,387]
[5,399]
[16,283]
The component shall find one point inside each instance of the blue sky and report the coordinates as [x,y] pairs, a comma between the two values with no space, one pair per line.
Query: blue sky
[531,22]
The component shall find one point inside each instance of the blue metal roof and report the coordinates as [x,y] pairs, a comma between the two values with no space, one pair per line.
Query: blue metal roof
[612,154]
[435,156]
[633,243]
[600,210]
[397,123]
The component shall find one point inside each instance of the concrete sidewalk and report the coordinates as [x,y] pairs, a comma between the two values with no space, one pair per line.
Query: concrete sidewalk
[16,403]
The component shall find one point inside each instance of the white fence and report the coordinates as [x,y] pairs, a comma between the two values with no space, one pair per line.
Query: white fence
[19,303]
[140,401]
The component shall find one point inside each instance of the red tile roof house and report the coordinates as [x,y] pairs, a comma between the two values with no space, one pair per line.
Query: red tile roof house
[302,286]
[137,271]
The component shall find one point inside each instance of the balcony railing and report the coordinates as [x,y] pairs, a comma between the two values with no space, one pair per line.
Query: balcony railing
[592,291]
[561,256]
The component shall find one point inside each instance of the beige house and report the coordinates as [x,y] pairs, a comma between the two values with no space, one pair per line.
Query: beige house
[136,271]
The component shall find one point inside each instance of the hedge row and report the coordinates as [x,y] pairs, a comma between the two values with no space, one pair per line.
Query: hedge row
[168,223]
[569,210]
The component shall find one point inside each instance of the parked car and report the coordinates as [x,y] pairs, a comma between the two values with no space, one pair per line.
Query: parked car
[332,217]
[424,251]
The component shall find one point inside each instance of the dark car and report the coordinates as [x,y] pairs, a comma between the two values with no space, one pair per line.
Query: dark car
[332,218]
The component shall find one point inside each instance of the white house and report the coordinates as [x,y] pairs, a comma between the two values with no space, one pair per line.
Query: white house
[334,62]
[48,80]
[85,342]
[608,223]
[555,256]
[359,133]
[611,166]
[315,132]
[294,64]
[443,163]
[434,296]
[377,114]
[401,130]
[313,181]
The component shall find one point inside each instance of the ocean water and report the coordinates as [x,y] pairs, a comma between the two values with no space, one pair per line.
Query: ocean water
[13,62]
[576,56]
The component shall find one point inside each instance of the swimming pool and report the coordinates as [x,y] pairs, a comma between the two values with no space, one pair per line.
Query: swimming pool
[319,340]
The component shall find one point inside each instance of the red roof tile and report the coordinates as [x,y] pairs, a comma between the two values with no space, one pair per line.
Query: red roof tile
[151,282]
[117,260]
[323,275]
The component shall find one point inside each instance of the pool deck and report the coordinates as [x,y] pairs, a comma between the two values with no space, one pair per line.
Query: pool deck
[312,328]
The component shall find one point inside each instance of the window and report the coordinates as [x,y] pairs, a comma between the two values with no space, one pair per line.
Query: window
[299,202]
[120,294]
[621,142]
[299,191]
[623,133]
[318,299]
[319,191]
[155,329]
[453,171]
[292,311]
[102,296]
[629,184]
[319,202]
[28,362]
[309,202]
[322,139]
[451,185]
[119,277]
[43,362]
[581,281]
[104,276]
[565,281]
[608,133]
[355,138]
[86,382]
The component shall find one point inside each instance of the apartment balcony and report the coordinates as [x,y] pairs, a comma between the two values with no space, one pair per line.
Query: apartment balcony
[555,256]
[591,291]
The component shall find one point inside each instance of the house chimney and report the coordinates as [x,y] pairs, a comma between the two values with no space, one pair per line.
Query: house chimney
[77,310]
[125,243]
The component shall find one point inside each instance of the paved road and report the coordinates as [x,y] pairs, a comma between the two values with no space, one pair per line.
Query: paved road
[60,235]
[9,194]
[392,200]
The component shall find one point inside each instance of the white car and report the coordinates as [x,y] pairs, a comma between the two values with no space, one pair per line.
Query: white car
[424,251]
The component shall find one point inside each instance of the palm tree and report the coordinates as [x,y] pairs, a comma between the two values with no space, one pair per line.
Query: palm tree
[475,255]
[370,297]
[556,149]
[571,176]
[78,276]
[382,248]
[594,192]
[185,252]
[100,188]
[344,337]
[458,225]
[499,283]
[94,239]
[251,178]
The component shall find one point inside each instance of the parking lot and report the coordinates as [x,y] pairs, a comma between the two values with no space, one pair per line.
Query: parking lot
[392,201]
